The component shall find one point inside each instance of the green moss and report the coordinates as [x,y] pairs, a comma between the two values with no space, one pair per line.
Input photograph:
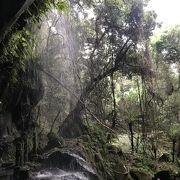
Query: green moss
[142,173]
[173,168]
[54,141]
[110,161]
[106,158]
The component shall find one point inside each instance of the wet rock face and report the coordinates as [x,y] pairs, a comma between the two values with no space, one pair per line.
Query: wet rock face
[61,160]
[21,173]
[69,162]
[20,98]
[5,125]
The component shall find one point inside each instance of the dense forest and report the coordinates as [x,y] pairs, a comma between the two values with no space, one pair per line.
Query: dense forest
[88,91]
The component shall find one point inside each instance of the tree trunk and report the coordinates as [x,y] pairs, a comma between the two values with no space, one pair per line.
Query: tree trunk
[35,146]
[154,148]
[131,136]
[25,149]
[173,149]
[19,152]
[178,147]
[114,103]
[137,143]
[73,125]
[53,123]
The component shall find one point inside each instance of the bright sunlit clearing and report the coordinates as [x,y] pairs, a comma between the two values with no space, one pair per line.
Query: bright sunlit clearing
[168,11]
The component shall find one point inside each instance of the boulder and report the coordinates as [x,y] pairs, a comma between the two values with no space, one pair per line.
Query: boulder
[54,141]
[21,173]
[114,150]
[165,175]
[68,161]
[138,174]
[165,158]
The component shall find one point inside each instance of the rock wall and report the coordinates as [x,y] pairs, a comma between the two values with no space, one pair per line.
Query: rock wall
[6,125]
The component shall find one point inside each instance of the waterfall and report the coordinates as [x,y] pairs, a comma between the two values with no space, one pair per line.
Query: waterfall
[59,55]
[65,165]
[58,174]
[60,52]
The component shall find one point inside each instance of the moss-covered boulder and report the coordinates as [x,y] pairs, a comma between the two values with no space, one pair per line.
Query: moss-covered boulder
[140,174]
[54,141]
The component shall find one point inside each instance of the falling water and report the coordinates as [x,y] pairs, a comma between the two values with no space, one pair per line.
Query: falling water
[73,173]
[59,57]
[58,174]
[60,52]
[76,169]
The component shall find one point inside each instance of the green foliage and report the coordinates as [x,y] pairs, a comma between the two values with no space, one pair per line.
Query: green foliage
[168,47]
[174,130]
[62,6]
[149,23]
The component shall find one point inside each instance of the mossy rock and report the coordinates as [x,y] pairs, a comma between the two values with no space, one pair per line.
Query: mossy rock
[86,138]
[128,177]
[171,167]
[162,175]
[119,171]
[140,174]
[98,157]
[54,141]
[178,162]
[114,149]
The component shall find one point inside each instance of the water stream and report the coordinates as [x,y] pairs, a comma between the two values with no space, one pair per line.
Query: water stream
[58,174]
[64,165]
